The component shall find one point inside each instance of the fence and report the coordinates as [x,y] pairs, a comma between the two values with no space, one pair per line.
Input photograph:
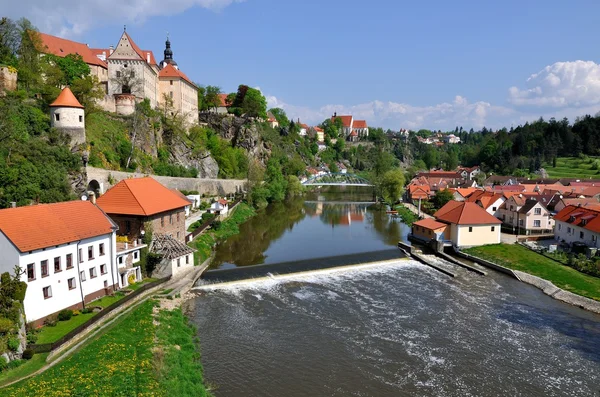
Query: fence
[47,347]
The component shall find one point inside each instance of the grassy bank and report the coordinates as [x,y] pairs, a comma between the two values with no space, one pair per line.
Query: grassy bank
[520,258]
[132,358]
[226,229]
[574,167]
[407,216]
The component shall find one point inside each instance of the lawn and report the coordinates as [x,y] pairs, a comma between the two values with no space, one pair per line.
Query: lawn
[107,300]
[574,167]
[25,369]
[136,286]
[520,258]
[127,361]
[52,334]
[407,216]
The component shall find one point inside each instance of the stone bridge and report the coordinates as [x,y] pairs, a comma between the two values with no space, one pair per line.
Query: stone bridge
[99,180]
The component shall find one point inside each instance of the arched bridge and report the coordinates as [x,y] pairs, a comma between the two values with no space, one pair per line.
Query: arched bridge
[337,179]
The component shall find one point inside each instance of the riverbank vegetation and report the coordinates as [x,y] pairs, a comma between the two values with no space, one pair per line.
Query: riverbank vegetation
[132,358]
[229,227]
[407,216]
[520,258]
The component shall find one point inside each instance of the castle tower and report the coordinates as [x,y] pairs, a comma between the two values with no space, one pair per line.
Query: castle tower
[168,53]
[67,115]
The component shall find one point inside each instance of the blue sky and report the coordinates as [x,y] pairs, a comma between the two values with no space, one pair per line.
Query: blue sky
[398,64]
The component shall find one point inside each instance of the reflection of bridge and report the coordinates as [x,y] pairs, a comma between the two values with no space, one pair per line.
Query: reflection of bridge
[337,179]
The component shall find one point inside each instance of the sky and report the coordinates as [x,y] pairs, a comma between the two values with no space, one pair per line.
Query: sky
[397,64]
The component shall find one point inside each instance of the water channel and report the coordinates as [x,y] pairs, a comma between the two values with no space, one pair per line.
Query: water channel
[397,329]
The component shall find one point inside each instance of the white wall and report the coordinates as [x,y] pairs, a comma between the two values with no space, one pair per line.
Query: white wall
[570,234]
[68,117]
[186,261]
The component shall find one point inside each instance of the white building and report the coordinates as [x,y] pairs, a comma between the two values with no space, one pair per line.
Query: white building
[67,252]
[220,207]
[176,255]
[576,224]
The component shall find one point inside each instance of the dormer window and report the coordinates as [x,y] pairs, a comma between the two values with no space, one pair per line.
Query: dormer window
[571,218]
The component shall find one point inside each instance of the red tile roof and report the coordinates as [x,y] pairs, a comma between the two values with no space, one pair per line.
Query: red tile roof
[223,99]
[591,191]
[318,129]
[141,197]
[223,202]
[359,124]
[66,99]
[465,213]
[592,218]
[47,225]
[142,53]
[431,224]
[346,120]
[487,201]
[62,47]
[169,72]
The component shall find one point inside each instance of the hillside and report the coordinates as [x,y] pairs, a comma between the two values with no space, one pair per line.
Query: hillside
[583,167]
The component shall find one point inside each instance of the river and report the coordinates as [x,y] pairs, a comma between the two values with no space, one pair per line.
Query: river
[396,329]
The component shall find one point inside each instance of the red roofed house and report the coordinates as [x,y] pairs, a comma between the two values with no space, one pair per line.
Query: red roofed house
[578,225]
[526,214]
[272,120]
[429,229]
[352,129]
[469,225]
[223,104]
[133,203]
[178,93]
[67,251]
[219,207]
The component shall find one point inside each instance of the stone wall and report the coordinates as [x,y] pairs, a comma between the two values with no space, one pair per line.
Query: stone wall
[214,187]
[8,79]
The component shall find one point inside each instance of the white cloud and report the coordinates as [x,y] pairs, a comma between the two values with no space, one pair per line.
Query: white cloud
[69,18]
[560,85]
[459,112]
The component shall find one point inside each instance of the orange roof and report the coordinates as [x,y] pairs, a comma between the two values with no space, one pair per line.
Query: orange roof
[170,72]
[465,213]
[66,99]
[140,196]
[223,99]
[591,191]
[318,129]
[585,217]
[466,191]
[431,224]
[346,120]
[487,201]
[223,202]
[359,124]
[62,47]
[47,225]
[142,53]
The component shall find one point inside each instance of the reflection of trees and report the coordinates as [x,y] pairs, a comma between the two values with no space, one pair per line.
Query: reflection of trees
[389,229]
[256,235]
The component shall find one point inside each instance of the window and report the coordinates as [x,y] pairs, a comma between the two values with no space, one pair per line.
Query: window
[93,273]
[594,237]
[118,73]
[44,268]
[171,82]
[537,223]
[80,255]
[135,255]
[470,229]
[105,284]
[178,262]
[127,227]
[132,74]
[82,276]
[71,283]
[162,221]
[56,116]
[520,222]
[494,209]
[81,119]
[187,259]
[120,260]
[559,226]
[47,292]
[90,252]
[178,216]
[171,94]
[57,264]
[493,228]
[101,249]
[102,269]
[69,261]
[537,211]
[31,272]
[569,230]
[171,219]
[178,234]
[581,235]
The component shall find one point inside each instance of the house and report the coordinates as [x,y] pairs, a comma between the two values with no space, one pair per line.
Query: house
[303,129]
[469,173]
[272,120]
[179,95]
[347,122]
[137,203]
[67,252]
[361,128]
[468,225]
[563,202]
[195,199]
[176,256]
[352,129]
[429,229]
[526,214]
[188,207]
[319,133]
[578,225]
[417,192]
[219,207]
[490,202]
[223,106]
[342,168]
[451,139]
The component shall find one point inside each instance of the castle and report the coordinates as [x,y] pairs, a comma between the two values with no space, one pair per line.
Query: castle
[129,74]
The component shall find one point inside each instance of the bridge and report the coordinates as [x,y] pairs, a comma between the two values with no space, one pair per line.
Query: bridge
[337,179]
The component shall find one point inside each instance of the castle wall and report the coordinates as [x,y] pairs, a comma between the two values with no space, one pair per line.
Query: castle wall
[8,79]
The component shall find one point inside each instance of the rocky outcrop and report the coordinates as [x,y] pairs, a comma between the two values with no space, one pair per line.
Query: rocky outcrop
[182,154]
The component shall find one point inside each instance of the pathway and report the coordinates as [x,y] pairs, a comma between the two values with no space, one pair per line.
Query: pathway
[415,210]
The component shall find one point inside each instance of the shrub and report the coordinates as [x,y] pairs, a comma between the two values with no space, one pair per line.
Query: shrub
[87,310]
[31,338]
[3,363]
[6,325]
[65,315]
[49,322]
[13,344]
[28,354]
[216,225]
[76,313]
[14,364]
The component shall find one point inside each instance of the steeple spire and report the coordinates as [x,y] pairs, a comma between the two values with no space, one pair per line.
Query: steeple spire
[168,53]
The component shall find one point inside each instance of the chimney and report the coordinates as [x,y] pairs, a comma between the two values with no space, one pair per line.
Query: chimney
[13,204]
[148,57]
[111,49]
[92,197]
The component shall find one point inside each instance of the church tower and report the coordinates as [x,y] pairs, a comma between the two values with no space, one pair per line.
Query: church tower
[168,56]
[67,115]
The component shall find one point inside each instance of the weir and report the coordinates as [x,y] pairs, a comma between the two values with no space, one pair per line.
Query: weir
[250,272]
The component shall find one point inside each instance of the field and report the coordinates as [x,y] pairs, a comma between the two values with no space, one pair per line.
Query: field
[574,167]
[520,258]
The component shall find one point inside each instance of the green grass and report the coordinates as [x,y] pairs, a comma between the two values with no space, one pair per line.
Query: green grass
[108,300]
[573,167]
[407,216]
[29,367]
[520,258]
[136,286]
[52,334]
[229,227]
[126,360]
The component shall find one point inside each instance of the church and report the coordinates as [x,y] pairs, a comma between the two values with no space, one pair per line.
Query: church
[130,74]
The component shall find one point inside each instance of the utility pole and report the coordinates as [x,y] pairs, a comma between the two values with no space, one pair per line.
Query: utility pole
[419,207]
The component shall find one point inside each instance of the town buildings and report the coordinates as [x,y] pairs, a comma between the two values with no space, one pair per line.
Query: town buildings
[352,129]
[526,214]
[67,252]
[578,225]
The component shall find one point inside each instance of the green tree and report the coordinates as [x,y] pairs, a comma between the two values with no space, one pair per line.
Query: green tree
[280,116]
[29,64]
[392,185]
[294,187]
[211,99]
[254,104]
[441,197]
[87,90]
[9,41]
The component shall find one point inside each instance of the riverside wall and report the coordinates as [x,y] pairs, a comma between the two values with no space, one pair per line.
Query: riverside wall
[102,180]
